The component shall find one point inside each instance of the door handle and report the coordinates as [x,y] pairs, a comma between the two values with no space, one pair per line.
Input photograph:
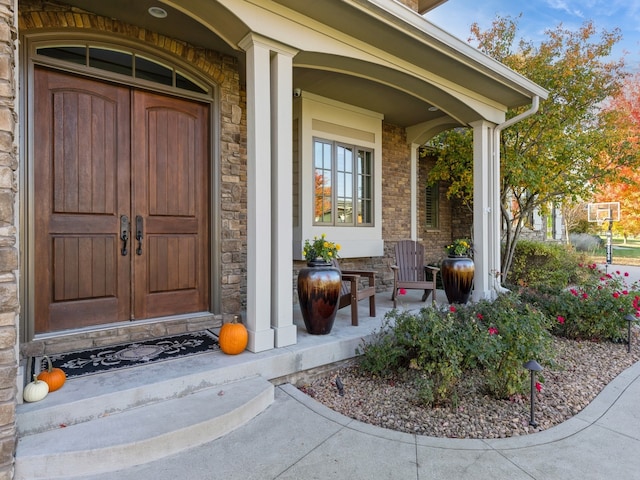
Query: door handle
[139,236]
[124,234]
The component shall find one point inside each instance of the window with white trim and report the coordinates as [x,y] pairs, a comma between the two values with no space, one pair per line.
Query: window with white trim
[343,184]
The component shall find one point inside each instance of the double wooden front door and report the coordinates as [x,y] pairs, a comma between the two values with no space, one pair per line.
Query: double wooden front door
[121,203]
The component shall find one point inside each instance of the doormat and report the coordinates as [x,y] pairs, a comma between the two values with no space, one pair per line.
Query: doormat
[113,357]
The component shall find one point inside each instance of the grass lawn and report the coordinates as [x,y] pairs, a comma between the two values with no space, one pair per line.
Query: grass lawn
[623,253]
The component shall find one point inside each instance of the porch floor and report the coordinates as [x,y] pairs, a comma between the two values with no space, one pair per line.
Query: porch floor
[79,427]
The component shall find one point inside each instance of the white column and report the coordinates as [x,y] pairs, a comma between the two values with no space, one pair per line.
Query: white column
[414,191]
[282,197]
[495,216]
[259,250]
[486,211]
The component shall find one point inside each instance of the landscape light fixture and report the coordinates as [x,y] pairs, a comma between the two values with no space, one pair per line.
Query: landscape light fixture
[629,318]
[533,367]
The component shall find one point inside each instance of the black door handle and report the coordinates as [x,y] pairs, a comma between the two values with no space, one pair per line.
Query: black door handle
[139,229]
[124,234]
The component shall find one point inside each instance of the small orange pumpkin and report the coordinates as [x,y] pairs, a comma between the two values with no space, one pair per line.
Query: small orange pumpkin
[233,337]
[54,377]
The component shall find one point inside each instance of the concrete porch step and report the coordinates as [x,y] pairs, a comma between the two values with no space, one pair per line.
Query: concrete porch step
[144,431]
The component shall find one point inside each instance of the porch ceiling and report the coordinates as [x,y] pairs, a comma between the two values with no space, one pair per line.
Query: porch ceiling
[176,25]
[399,108]
[384,25]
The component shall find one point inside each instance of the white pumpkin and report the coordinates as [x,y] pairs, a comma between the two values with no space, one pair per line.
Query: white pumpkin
[35,391]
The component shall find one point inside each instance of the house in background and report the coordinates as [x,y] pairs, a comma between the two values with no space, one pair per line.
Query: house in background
[159,160]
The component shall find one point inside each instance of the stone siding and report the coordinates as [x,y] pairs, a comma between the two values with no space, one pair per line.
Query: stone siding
[9,259]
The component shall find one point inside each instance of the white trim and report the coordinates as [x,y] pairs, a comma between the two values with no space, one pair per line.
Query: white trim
[414,191]
[282,200]
[485,236]
[355,241]
[419,27]
[261,336]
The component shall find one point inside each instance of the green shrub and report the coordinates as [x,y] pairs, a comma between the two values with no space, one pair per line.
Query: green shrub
[383,355]
[545,265]
[429,342]
[438,347]
[516,333]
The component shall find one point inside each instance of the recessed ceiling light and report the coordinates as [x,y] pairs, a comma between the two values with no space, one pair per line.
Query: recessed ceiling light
[157,12]
[433,109]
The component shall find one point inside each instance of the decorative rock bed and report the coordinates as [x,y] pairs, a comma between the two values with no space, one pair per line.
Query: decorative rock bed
[583,370]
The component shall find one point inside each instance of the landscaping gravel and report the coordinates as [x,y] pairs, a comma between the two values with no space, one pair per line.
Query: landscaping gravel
[583,369]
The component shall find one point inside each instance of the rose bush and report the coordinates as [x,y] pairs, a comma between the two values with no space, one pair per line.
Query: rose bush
[435,347]
[594,310]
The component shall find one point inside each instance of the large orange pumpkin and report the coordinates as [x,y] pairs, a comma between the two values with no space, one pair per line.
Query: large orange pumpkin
[54,377]
[233,337]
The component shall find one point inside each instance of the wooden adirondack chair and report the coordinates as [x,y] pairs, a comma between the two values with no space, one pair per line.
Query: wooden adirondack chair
[352,292]
[410,272]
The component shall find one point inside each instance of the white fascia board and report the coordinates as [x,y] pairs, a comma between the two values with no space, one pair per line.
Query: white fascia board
[420,27]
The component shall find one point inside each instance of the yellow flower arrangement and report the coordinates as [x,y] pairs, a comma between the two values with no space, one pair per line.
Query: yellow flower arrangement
[459,247]
[320,248]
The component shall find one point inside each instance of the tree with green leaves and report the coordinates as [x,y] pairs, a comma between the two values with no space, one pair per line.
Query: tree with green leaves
[565,151]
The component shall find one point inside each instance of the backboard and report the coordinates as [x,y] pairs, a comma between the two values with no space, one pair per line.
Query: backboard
[600,212]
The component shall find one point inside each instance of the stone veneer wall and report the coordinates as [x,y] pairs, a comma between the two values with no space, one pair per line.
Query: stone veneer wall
[9,304]
[230,192]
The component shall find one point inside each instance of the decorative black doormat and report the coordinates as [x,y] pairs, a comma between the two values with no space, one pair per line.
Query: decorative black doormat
[112,357]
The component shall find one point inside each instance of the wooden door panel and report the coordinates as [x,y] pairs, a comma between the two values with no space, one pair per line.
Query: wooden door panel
[170,152]
[84,267]
[172,263]
[84,155]
[172,162]
[69,315]
[81,187]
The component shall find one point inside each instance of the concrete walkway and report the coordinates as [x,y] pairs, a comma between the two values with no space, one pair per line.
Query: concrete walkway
[298,438]
[633,271]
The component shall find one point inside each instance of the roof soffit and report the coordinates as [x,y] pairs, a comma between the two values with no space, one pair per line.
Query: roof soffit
[404,34]
[425,6]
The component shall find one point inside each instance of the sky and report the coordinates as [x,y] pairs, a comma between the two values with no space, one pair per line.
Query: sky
[456,17]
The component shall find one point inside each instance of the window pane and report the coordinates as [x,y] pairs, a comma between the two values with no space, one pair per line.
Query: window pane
[344,177]
[149,70]
[322,177]
[365,187]
[343,190]
[68,54]
[111,60]
[186,84]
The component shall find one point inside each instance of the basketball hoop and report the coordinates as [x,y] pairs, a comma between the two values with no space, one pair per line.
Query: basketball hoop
[605,212]
[601,212]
